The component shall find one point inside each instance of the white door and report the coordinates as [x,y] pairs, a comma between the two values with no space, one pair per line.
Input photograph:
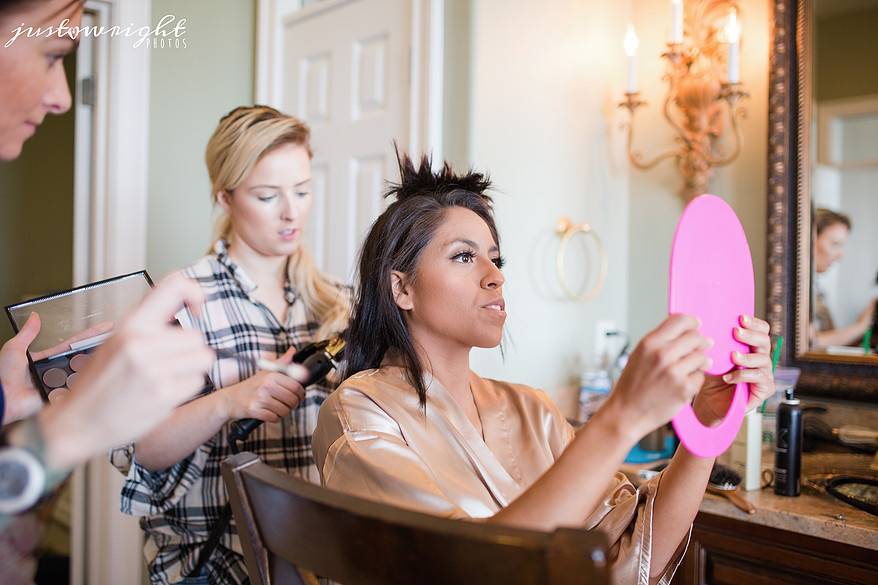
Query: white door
[112,119]
[345,71]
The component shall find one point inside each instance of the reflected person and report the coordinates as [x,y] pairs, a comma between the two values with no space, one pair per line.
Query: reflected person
[831,232]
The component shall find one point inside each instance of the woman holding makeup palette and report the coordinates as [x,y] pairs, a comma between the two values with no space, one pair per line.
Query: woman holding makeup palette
[120,394]
[264,297]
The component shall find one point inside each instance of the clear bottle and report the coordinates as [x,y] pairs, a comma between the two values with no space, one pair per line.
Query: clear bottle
[594,388]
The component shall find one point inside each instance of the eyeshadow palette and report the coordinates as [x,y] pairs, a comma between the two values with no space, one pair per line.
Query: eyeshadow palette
[73,323]
[61,372]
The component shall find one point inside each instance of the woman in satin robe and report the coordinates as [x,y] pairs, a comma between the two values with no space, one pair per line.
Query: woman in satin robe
[413,426]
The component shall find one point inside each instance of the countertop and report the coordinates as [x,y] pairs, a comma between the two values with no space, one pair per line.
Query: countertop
[814,512]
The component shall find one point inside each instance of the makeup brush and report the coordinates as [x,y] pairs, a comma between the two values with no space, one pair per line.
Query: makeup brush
[724,482]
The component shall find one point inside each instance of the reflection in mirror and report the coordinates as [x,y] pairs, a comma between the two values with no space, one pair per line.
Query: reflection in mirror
[843,177]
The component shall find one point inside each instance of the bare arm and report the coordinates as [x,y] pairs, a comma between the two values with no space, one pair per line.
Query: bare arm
[266,396]
[849,334]
[841,336]
[669,361]
[683,482]
[676,505]
[180,434]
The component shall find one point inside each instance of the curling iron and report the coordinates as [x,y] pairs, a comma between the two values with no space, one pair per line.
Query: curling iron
[318,358]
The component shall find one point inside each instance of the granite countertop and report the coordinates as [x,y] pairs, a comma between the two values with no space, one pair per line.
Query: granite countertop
[814,512]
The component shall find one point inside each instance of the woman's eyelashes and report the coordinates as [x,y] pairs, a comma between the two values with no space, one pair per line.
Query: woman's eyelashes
[465,257]
[469,256]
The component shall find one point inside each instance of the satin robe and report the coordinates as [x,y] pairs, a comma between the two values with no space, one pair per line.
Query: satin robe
[373,440]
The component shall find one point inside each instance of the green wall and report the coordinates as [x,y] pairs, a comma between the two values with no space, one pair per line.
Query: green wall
[36,214]
[190,89]
[846,55]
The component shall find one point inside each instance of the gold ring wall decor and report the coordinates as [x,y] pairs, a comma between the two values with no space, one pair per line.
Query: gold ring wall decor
[566,230]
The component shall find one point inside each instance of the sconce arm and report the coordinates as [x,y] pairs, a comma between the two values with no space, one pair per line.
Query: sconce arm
[636,158]
[734,114]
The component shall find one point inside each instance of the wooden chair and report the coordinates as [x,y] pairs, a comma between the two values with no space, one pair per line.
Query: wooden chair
[290,528]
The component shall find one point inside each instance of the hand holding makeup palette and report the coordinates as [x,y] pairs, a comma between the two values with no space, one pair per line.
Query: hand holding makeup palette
[73,323]
[711,277]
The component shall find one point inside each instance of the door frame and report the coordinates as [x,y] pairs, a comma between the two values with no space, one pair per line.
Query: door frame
[425,64]
[110,202]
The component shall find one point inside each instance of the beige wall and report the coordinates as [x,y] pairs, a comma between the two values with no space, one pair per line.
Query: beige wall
[541,88]
[457,82]
[655,205]
[536,101]
[191,88]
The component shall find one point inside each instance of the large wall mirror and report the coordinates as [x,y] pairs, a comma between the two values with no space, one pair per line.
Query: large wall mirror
[823,193]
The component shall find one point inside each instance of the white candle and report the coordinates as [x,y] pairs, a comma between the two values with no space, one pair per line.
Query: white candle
[630,45]
[677,21]
[734,62]
[733,36]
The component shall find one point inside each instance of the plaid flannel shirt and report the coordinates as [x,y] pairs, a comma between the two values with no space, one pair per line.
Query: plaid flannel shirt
[179,506]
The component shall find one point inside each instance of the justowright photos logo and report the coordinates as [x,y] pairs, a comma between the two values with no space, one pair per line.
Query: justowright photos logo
[169,33]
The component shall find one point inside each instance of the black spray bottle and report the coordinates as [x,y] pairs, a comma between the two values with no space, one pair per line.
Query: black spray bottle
[788,452]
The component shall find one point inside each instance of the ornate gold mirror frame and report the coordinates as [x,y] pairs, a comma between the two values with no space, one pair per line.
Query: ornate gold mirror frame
[789,214]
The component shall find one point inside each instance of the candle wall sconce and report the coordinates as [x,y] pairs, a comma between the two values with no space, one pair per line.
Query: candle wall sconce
[703,75]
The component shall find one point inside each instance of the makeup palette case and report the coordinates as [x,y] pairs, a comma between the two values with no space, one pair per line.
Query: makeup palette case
[73,323]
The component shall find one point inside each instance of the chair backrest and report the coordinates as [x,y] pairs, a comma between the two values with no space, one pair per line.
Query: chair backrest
[289,527]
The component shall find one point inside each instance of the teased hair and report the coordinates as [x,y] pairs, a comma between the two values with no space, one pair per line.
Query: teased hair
[395,243]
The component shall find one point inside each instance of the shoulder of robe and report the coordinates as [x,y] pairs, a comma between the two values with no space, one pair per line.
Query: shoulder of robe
[375,379]
[354,410]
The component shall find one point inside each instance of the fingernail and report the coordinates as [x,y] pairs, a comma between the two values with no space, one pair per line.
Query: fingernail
[710,342]
[727,378]
[745,320]
[708,364]
[736,355]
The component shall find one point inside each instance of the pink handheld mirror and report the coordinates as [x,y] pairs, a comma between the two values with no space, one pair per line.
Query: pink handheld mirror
[711,277]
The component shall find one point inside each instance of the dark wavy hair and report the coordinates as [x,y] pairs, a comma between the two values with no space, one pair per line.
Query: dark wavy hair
[395,243]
